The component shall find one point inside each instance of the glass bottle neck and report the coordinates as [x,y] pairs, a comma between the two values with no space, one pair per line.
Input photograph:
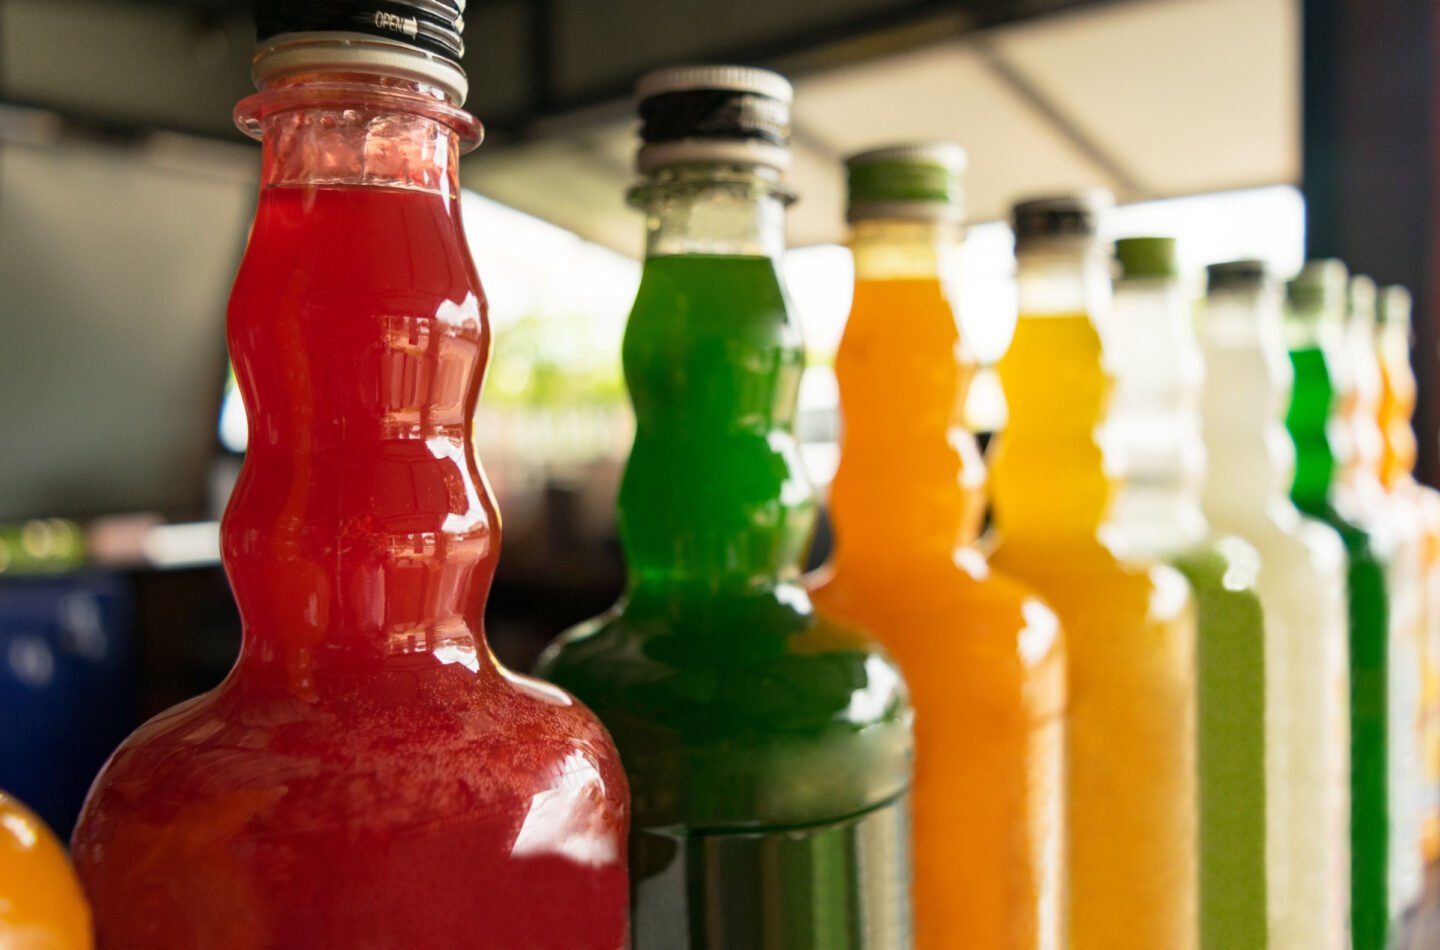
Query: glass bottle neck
[358,130]
[1063,278]
[891,249]
[904,371]
[719,210]
[361,536]
[1153,427]
[1248,382]
[713,502]
[1057,380]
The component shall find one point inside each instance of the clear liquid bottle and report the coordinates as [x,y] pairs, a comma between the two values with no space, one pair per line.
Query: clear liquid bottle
[1130,626]
[41,905]
[982,654]
[1302,588]
[1397,406]
[1153,429]
[768,747]
[367,775]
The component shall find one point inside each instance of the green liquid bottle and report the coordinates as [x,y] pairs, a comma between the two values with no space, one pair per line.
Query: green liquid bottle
[768,749]
[1317,308]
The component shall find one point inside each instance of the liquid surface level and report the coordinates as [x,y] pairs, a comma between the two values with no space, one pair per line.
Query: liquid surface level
[768,748]
[983,656]
[1130,639]
[367,776]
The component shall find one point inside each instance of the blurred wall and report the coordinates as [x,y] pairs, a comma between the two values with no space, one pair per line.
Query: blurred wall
[115,262]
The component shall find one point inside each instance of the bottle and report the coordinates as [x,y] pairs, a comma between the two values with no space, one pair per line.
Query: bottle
[1319,428]
[982,654]
[1302,589]
[1130,626]
[1364,483]
[41,905]
[1397,471]
[367,775]
[1153,429]
[768,748]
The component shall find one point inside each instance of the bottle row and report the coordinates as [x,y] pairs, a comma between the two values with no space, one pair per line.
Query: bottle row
[1182,691]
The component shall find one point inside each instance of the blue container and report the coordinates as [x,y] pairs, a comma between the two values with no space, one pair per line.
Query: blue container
[66,686]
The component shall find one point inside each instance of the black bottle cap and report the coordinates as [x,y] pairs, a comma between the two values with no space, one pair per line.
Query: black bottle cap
[1236,275]
[1060,216]
[699,113]
[431,26]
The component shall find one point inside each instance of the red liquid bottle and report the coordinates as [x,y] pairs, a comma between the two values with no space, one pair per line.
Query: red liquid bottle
[367,776]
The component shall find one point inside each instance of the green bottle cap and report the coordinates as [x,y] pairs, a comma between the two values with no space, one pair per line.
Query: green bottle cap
[908,181]
[1394,306]
[1144,257]
[1319,288]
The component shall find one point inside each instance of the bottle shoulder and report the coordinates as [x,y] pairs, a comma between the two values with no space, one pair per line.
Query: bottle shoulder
[717,708]
[385,752]
[726,655]
[948,599]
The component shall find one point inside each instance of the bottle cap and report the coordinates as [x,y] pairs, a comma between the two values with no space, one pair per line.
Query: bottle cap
[1063,217]
[1146,257]
[1361,298]
[714,114]
[1319,288]
[416,39]
[1394,309]
[920,181]
[1248,274]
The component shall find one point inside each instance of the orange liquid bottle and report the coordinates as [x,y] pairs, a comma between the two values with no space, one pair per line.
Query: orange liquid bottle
[1397,471]
[1130,626]
[41,906]
[982,654]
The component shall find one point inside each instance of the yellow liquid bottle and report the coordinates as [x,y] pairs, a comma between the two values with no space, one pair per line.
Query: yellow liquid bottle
[1130,627]
[983,655]
[41,906]
[1397,471]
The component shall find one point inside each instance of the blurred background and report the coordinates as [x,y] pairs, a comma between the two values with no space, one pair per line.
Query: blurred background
[1270,128]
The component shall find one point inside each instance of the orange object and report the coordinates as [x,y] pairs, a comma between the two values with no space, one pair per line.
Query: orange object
[983,655]
[41,906]
[1397,471]
[1130,627]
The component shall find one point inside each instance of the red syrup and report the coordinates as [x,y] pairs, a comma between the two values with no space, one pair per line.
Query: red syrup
[368,776]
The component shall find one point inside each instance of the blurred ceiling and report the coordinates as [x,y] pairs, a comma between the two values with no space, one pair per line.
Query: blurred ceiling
[1150,98]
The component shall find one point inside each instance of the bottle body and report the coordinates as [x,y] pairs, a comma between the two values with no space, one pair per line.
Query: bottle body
[1153,429]
[1302,591]
[366,745]
[41,905]
[1130,627]
[768,748]
[1397,406]
[983,656]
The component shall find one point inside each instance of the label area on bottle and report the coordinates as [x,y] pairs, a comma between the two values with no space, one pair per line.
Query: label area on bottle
[839,885]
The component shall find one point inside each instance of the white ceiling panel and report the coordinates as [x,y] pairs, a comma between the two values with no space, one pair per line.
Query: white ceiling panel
[1150,99]
[946,92]
[1188,95]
